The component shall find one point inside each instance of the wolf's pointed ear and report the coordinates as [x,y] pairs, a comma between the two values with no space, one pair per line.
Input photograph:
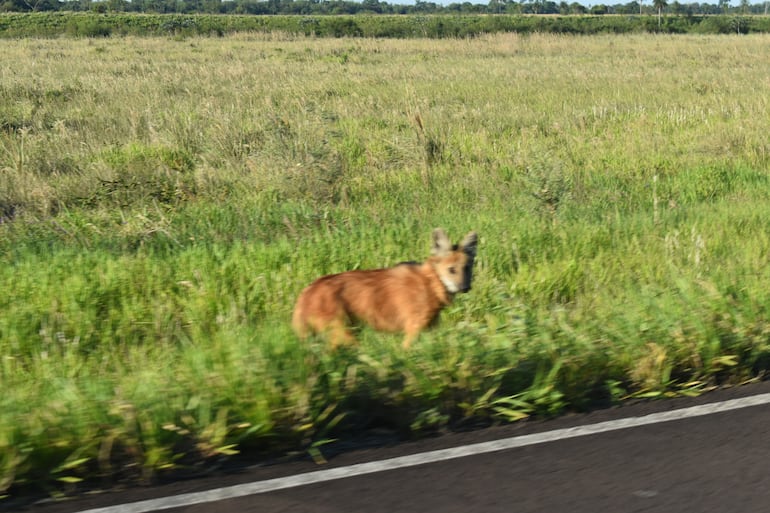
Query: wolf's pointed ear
[468,245]
[441,243]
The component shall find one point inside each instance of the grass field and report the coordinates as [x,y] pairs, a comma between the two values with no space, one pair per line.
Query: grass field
[163,201]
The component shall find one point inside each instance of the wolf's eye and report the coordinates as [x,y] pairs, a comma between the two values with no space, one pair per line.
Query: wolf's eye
[452,270]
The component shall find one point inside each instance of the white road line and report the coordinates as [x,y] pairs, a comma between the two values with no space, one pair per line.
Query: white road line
[320,476]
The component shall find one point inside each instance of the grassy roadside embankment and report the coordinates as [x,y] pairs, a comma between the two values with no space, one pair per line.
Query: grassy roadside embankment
[162,203]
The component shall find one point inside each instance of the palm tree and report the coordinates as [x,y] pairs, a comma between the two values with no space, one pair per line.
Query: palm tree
[659,5]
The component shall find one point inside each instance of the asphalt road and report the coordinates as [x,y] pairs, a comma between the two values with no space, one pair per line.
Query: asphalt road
[715,462]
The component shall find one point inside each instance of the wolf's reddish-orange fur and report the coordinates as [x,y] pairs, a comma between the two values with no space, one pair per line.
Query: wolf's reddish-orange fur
[406,298]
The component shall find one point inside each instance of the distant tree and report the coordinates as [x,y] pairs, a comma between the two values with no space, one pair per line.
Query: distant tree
[629,8]
[599,9]
[529,7]
[13,6]
[659,5]
[466,7]
[78,5]
[550,7]
[154,6]
[539,7]
[573,8]
[495,6]
[212,6]
[723,5]
[371,5]
[425,7]
[38,5]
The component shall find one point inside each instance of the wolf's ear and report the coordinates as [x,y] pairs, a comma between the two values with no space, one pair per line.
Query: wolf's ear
[441,243]
[468,245]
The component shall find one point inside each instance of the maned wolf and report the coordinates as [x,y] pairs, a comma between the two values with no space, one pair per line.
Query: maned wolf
[406,298]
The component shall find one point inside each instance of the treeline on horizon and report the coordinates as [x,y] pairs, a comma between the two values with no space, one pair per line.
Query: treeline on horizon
[91,24]
[336,7]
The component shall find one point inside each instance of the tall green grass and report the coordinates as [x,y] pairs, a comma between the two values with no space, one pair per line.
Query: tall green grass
[162,203]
